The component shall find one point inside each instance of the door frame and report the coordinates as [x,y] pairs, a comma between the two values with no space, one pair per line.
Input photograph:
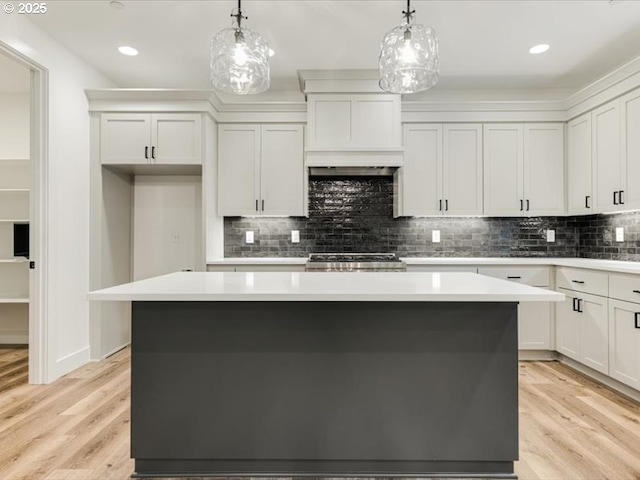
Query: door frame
[38,231]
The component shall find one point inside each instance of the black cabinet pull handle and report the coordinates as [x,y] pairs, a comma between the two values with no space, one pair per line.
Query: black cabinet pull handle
[440,204]
[586,201]
[153,152]
[620,197]
[257,206]
[579,305]
[446,205]
[146,153]
[514,277]
[637,319]
[521,205]
[636,291]
[527,205]
[577,281]
[615,200]
[263,205]
[575,309]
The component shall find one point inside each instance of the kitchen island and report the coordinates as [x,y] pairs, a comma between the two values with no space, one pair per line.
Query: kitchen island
[324,373]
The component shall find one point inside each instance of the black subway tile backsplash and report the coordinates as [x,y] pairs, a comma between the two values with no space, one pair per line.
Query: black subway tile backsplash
[356,215]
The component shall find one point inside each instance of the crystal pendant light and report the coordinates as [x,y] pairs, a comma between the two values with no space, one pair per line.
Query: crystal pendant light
[409,57]
[239,59]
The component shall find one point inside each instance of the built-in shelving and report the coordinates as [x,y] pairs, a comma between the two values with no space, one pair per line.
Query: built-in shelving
[14,260]
[14,299]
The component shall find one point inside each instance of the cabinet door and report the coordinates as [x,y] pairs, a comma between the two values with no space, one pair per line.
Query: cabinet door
[176,139]
[503,163]
[624,342]
[544,169]
[594,332]
[238,164]
[567,326]
[462,170]
[631,149]
[125,138]
[534,326]
[421,176]
[579,165]
[606,157]
[282,170]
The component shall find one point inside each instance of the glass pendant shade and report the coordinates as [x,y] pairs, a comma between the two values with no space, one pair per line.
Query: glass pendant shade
[409,59]
[239,61]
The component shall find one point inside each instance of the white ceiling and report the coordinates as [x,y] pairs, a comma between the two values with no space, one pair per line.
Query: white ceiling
[14,78]
[483,43]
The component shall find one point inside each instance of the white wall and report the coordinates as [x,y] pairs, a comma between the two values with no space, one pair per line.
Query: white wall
[67,310]
[14,126]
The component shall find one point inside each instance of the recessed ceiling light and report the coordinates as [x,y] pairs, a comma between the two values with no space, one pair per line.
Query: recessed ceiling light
[127,50]
[117,4]
[536,49]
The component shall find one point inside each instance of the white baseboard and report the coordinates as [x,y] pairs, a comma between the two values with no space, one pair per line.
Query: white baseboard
[69,363]
[537,355]
[620,387]
[115,350]
[14,338]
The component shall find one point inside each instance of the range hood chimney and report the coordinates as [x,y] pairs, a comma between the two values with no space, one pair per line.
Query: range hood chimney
[351,122]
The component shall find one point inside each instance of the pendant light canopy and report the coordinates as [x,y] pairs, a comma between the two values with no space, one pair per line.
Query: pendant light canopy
[239,59]
[409,57]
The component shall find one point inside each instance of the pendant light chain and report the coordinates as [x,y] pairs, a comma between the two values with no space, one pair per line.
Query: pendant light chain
[408,13]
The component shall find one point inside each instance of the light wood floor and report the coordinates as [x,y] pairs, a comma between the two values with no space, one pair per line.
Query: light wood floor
[77,428]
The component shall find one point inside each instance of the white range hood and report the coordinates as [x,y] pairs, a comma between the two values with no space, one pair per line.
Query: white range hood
[351,122]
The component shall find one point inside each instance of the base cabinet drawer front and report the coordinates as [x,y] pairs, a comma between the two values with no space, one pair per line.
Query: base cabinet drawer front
[624,342]
[534,276]
[534,326]
[624,287]
[582,280]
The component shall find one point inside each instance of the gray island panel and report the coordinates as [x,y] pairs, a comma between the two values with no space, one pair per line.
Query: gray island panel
[371,388]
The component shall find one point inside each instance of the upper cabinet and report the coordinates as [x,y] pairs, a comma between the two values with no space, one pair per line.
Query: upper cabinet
[579,188]
[524,169]
[261,170]
[630,105]
[442,172]
[143,139]
[354,129]
[608,176]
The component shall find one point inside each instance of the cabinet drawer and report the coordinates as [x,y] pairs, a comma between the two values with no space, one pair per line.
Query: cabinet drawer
[624,287]
[442,268]
[582,280]
[534,276]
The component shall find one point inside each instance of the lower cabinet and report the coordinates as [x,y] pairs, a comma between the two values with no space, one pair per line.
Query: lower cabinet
[624,342]
[582,329]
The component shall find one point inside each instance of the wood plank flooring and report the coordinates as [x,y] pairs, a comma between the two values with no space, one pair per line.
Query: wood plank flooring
[571,428]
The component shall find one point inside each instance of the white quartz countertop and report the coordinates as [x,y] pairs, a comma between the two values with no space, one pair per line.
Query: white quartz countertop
[325,286]
[608,265]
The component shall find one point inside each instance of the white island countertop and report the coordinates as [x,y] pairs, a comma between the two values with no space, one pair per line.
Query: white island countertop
[324,287]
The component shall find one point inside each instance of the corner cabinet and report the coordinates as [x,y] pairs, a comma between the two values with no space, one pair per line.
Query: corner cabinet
[261,170]
[148,139]
[442,172]
[524,169]
[579,187]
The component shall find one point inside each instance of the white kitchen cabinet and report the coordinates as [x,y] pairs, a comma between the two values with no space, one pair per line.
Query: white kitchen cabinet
[143,139]
[582,330]
[523,169]
[630,105]
[535,319]
[261,170]
[442,172]
[607,158]
[624,342]
[579,188]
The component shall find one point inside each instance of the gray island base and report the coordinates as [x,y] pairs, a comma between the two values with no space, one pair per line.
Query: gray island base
[371,388]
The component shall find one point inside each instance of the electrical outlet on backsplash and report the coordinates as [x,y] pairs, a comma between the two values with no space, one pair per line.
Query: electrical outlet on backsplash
[356,215]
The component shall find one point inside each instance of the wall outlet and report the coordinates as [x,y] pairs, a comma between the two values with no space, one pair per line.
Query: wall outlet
[249,237]
[551,235]
[295,236]
[435,236]
[619,234]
